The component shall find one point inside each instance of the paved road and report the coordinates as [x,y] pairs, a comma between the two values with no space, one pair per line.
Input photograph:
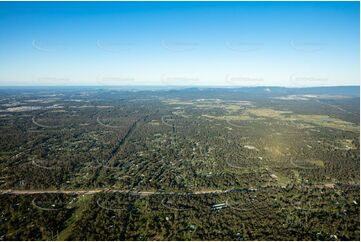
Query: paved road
[94,191]
[42,125]
[148,193]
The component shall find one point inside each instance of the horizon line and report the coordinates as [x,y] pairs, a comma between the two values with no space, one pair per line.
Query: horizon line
[186,86]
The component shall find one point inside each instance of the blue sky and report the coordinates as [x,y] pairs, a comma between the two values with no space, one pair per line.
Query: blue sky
[180,43]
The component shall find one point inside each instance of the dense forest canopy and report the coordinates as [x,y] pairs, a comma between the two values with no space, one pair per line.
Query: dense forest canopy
[260,163]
